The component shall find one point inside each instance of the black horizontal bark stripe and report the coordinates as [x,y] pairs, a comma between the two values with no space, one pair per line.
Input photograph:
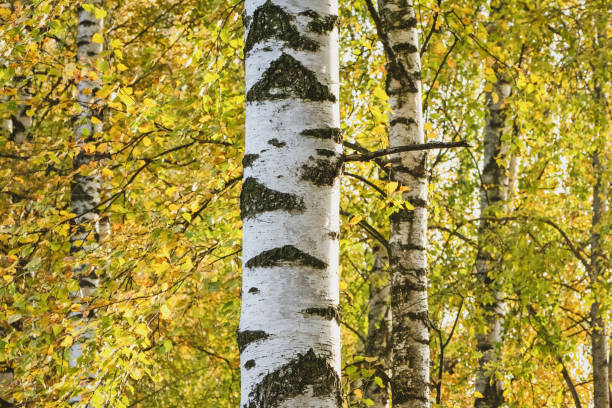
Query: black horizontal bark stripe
[246,337]
[287,78]
[294,379]
[256,198]
[287,254]
[329,312]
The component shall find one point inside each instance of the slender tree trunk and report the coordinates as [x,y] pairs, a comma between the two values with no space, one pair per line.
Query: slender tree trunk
[289,335]
[599,339]
[378,341]
[493,196]
[408,236]
[85,193]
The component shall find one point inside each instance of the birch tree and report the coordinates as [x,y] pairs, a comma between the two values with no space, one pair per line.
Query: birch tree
[493,194]
[289,335]
[378,341]
[408,239]
[85,188]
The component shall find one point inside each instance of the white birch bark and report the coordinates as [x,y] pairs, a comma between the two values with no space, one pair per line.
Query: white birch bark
[408,236]
[289,335]
[85,194]
[378,341]
[599,338]
[494,193]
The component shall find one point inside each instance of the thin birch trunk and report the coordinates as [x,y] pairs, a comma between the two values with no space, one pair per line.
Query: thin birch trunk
[85,194]
[378,341]
[599,339]
[289,335]
[494,194]
[408,236]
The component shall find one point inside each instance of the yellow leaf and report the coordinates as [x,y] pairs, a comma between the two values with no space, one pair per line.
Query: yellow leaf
[30,112]
[136,373]
[380,93]
[97,38]
[165,312]
[146,141]
[428,126]
[148,102]
[478,395]
[355,220]
[391,187]
[358,393]
[67,342]
[95,121]
[99,13]
[141,330]
[121,67]
[107,173]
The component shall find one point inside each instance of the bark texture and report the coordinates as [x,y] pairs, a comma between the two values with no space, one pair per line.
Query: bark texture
[494,194]
[408,236]
[599,338]
[85,188]
[378,341]
[289,335]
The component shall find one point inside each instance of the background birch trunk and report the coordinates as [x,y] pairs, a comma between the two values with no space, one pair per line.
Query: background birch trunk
[85,194]
[408,238]
[289,334]
[378,341]
[493,195]
[599,338]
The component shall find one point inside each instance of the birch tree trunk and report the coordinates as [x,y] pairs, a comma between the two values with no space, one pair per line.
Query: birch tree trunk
[408,237]
[85,194]
[378,341]
[599,339]
[493,195]
[289,335]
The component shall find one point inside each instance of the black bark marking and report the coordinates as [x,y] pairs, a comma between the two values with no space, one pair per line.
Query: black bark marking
[334,235]
[277,143]
[334,134]
[254,290]
[256,198]
[246,337]
[271,21]
[326,152]
[285,255]
[398,20]
[249,364]
[288,78]
[403,121]
[405,47]
[249,159]
[320,24]
[323,172]
[328,313]
[294,378]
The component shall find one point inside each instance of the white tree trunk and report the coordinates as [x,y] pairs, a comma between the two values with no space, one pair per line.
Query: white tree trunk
[378,341]
[599,338]
[408,227]
[289,335]
[85,194]
[494,194]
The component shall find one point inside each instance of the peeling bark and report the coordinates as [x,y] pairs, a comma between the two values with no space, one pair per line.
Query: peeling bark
[289,335]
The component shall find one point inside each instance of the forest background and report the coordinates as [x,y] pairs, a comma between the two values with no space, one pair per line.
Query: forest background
[169,160]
